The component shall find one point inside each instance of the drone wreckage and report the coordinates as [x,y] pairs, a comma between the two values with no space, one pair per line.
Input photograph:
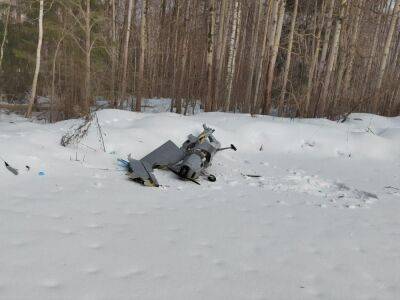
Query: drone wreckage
[189,162]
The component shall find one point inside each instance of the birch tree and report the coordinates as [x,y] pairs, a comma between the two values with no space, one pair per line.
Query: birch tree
[353,48]
[143,47]
[233,44]
[332,59]
[88,50]
[253,53]
[222,41]
[38,61]
[274,53]
[273,10]
[314,62]
[3,42]
[126,51]
[53,74]
[319,57]
[178,7]
[327,37]
[372,53]
[113,52]
[210,55]
[288,57]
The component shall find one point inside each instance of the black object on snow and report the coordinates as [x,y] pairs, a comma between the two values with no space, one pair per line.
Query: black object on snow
[11,169]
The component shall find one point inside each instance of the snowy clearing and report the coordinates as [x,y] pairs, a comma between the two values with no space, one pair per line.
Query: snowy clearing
[322,221]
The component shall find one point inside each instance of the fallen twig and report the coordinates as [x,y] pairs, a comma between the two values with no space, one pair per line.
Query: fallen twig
[251,175]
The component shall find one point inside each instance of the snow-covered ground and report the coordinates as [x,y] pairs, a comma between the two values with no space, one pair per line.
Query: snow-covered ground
[322,221]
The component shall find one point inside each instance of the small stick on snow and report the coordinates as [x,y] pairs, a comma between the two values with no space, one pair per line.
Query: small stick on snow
[252,175]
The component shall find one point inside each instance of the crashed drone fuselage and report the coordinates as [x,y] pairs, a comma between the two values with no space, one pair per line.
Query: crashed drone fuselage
[188,162]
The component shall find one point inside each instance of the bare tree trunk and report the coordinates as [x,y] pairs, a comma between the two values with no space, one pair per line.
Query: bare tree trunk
[394,61]
[162,43]
[143,48]
[176,50]
[126,53]
[386,51]
[327,37]
[4,36]
[210,55]
[88,50]
[242,62]
[314,62]
[331,61]
[288,58]
[235,31]
[53,76]
[113,53]
[274,55]
[372,55]
[185,51]
[37,68]
[353,46]
[253,54]
[341,63]
[222,38]
[263,56]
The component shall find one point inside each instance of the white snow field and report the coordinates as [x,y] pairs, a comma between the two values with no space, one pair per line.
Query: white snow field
[322,221]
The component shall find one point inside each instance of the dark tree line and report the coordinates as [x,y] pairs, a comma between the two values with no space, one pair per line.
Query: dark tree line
[306,58]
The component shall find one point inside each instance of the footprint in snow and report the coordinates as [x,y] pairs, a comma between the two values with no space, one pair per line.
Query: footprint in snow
[333,194]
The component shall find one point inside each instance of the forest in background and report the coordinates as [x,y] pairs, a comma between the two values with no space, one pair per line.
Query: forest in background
[292,58]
